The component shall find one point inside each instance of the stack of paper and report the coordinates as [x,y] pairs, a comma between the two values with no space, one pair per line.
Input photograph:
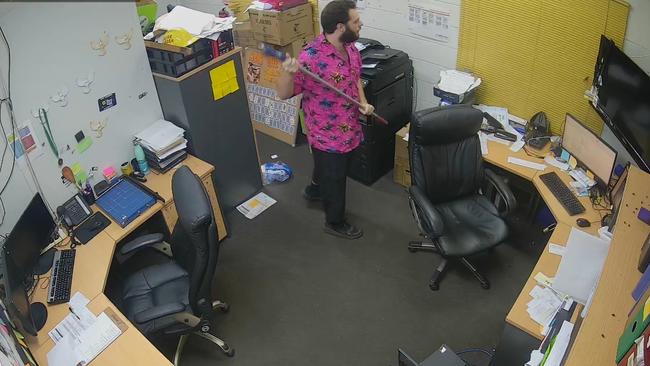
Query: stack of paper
[197,23]
[81,336]
[543,306]
[164,145]
[457,82]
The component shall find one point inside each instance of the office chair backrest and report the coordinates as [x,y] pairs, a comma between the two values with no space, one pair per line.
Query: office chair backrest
[194,242]
[445,152]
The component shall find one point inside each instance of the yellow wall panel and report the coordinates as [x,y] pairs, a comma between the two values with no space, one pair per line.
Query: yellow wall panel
[538,55]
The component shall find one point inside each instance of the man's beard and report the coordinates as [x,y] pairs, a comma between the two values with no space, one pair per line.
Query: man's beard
[348,36]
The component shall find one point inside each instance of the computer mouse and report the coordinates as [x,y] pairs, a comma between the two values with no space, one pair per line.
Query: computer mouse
[583,222]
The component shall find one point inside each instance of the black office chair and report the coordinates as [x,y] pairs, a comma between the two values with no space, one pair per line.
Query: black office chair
[175,297]
[458,206]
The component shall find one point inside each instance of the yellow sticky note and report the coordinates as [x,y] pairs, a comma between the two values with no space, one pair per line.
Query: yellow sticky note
[224,80]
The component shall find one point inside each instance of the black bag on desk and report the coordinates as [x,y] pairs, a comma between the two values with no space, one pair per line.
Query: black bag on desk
[537,131]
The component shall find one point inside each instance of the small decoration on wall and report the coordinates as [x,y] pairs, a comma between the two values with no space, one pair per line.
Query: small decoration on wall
[83,142]
[101,44]
[106,102]
[98,127]
[84,82]
[44,106]
[60,98]
[125,39]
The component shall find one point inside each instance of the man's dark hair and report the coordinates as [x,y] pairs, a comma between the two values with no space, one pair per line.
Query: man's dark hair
[337,11]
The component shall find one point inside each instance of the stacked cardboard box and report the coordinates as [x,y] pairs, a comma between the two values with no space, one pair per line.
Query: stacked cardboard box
[402,169]
[288,30]
[243,35]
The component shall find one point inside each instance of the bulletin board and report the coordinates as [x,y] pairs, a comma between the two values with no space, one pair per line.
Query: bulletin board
[538,55]
[272,116]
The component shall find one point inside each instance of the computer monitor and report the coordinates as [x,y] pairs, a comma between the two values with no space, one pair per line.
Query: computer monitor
[589,149]
[31,234]
[29,318]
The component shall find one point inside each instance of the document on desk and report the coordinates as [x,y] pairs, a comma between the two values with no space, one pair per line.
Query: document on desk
[526,163]
[560,345]
[543,306]
[73,325]
[91,342]
[581,265]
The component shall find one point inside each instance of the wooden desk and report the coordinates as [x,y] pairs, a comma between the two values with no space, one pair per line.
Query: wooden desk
[92,266]
[548,264]
[498,155]
[162,183]
[598,336]
[130,348]
[561,214]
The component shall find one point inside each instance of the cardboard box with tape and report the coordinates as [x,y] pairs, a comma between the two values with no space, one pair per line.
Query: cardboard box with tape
[282,27]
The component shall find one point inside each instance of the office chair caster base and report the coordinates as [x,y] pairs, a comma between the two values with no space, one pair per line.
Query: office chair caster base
[415,246]
[485,284]
[436,277]
[222,306]
[225,348]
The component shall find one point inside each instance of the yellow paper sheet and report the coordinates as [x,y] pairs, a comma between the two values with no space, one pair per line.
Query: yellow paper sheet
[224,80]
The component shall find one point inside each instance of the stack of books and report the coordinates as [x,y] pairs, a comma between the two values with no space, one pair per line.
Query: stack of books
[164,145]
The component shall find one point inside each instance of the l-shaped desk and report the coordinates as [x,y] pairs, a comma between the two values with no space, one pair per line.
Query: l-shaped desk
[92,266]
[597,337]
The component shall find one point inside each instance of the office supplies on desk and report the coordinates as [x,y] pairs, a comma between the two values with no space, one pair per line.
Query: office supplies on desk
[58,290]
[543,306]
[537,131]
[581,265]
[74,211]
[124,201]
[562,193]
[526,163]
[91,341]
[632,331]
[91,227]
[560,345]
[517,146]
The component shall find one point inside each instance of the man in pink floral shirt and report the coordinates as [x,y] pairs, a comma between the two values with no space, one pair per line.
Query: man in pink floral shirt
[332,121]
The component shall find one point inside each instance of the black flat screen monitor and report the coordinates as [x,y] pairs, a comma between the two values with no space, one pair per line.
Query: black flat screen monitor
[31,234]
[623,100]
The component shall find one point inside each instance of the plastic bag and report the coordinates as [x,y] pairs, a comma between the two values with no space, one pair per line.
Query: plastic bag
[276,172]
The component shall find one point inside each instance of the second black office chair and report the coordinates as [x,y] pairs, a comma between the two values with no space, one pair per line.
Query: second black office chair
[175,297]
[458,205]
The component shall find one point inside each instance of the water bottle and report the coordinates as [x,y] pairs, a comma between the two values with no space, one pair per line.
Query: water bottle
[142,162]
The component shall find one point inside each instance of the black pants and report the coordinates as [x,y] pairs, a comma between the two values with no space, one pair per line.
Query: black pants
[330,175]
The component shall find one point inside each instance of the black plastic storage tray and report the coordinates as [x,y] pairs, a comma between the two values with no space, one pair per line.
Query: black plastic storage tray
[176,61]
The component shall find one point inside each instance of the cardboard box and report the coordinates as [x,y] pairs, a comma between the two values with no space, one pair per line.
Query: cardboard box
[147,10]
[402,168]
[243,34]
[294,48]
[282,27]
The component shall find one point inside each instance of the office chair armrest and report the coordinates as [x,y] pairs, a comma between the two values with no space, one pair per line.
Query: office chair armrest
[505,195]
[159,312]
[426,216]
[141,242]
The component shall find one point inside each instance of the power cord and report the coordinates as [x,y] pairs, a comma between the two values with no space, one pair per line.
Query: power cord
[475,350]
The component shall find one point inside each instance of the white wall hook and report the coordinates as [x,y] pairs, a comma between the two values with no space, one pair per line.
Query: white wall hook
[85,82]
[98,127]
[61,97]
[101,44]
[35,112]
[125,39]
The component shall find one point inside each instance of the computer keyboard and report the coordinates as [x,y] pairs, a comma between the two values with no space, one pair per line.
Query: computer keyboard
[61,278]
[563,194]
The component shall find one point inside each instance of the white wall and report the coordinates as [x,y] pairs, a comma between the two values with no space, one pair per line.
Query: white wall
[386,21]
[637,38]
[50,46]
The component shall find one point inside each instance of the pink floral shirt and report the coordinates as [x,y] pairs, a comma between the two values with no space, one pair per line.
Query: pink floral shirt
[333,122]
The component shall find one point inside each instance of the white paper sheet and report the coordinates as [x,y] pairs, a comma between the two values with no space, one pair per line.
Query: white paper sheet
[526,163]
[484,144]
[560,346]
[543,306]
[581,265]
[256,205]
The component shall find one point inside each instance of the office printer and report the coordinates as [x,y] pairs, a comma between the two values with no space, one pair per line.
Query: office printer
[387,78]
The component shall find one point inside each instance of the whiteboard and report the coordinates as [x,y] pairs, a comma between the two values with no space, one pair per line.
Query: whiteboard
[50,46]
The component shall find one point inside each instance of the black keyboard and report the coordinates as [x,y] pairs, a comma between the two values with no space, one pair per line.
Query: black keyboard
[61,278]
[562,193]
